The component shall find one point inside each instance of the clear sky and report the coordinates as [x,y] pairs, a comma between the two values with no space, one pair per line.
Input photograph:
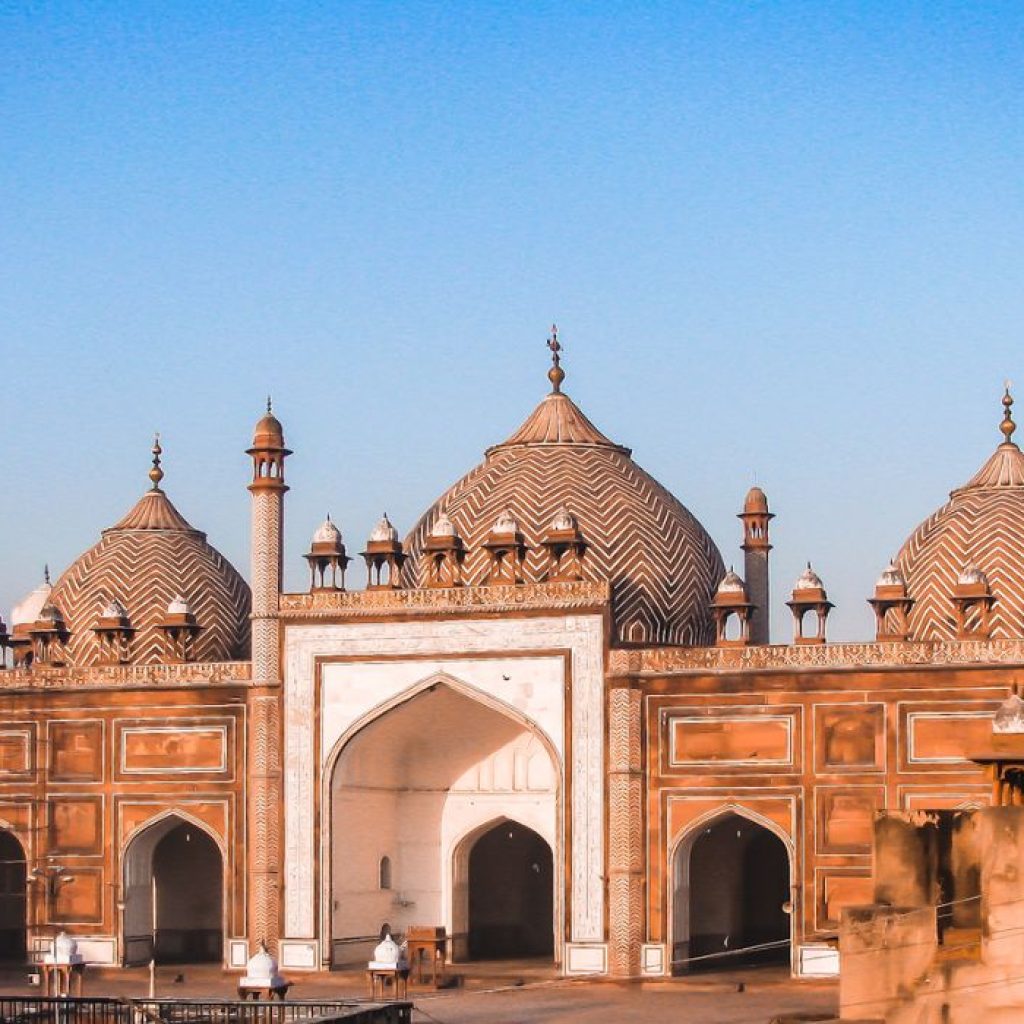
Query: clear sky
[782,242]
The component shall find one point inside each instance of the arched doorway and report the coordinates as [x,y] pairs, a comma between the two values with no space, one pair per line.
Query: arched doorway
[174,870]
[732,893]
[13,895]
[407,789]
[510,894]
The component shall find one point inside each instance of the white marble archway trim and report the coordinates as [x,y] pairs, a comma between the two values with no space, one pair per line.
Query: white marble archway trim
[580,635]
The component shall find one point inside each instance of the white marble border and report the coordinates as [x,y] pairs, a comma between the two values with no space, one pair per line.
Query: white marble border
[581,635]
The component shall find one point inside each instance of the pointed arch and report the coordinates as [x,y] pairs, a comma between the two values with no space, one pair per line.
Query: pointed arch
[453,774]
[141,896]
[679,859]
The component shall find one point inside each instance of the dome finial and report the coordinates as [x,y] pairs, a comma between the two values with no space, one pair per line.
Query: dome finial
[1007,426]
[46,573]
[156,474]
[270,406]
[556,374]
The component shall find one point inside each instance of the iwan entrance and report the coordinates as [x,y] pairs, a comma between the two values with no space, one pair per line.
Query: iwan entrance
[445,813]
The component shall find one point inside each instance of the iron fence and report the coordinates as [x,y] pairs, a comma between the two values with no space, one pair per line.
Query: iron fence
[77,1010]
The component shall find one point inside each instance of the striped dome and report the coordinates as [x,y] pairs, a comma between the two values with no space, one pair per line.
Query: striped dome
[149,559]
[980,527]
[662,565]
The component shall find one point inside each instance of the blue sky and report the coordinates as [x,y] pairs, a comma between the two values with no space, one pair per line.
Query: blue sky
[781,240]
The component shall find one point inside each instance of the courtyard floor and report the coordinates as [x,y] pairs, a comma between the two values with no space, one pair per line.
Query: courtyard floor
[518,993]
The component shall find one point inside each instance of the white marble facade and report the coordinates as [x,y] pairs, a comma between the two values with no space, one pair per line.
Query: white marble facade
[518,667]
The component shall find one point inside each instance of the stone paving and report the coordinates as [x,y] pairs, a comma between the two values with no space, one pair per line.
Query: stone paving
[494,996]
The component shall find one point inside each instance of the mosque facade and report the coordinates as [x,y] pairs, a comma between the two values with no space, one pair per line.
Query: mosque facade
[550,723]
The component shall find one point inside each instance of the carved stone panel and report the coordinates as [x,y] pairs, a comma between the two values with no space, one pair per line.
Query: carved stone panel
[76,750]
[76,824]
[849,737]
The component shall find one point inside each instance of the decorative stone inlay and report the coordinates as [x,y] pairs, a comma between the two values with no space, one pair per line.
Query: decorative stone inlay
[455,600]
[100,677]
[580,635]
[668,660]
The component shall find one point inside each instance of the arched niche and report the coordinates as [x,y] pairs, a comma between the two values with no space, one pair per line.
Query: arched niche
[732,891]
[173,893]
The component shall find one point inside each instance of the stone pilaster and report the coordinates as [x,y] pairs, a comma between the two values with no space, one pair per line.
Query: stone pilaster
[625,832]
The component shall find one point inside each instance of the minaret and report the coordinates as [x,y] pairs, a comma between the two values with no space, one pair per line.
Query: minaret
[755,516]
[268,489]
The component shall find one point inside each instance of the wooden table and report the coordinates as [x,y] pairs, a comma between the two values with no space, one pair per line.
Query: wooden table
[381,977]
[426,943]
[60,979]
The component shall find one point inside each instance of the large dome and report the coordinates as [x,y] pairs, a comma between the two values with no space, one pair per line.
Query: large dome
[981,527]
[662,565]
[144,563]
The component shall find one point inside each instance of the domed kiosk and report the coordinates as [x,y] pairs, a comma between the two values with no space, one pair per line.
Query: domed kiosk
[662,565]
[970,552]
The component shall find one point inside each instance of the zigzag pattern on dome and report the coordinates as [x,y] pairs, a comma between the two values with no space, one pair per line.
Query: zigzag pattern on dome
[982,525]
[147,560]
[662,565]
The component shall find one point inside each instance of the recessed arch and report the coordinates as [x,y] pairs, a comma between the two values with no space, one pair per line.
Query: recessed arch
[417,773]
[738,892]
[174,882]
[13,897]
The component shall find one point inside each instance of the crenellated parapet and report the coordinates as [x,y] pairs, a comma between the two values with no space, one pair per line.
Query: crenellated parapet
[652,661]
[329,604]
[103,677]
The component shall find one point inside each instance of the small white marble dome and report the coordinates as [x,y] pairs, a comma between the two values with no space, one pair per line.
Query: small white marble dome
[261,965]
[384,531]
[327,533]
[389,954]
[1009,718]
[564,521]
[731,583]
[891,577]
[115,610]
[179,606]
[971,575]
[27,610]
[443,527]
[505,523]
[809,580]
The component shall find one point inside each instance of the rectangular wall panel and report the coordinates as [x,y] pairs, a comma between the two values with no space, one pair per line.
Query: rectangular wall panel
[76,750]
[150,750]
[701,741]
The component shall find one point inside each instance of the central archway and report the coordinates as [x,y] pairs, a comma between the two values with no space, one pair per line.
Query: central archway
[412,790]
[510,894]
[731,898]
[13,893]
[174,895]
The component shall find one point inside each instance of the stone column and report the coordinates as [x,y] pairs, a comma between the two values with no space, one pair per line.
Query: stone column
[625,831]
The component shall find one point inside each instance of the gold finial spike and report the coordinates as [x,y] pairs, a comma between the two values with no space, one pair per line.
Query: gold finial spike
[156,474]
[556,374]
[1007,426]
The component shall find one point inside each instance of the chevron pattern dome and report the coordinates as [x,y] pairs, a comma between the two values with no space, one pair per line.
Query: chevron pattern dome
[981,526]
[662,565]
[144,562]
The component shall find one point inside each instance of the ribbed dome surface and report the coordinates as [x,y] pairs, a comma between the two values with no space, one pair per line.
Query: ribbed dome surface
[982,525]
[662,565]
[144,562]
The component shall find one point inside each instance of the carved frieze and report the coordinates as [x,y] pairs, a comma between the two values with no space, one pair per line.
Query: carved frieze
[101,677]
[680,660]
[354,604]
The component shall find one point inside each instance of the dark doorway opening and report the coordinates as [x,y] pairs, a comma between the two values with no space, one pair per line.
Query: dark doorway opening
[188,873]
[511,894]
[13,897]
[736,897]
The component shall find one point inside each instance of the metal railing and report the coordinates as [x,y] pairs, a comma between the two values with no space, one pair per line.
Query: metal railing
[78,1010]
